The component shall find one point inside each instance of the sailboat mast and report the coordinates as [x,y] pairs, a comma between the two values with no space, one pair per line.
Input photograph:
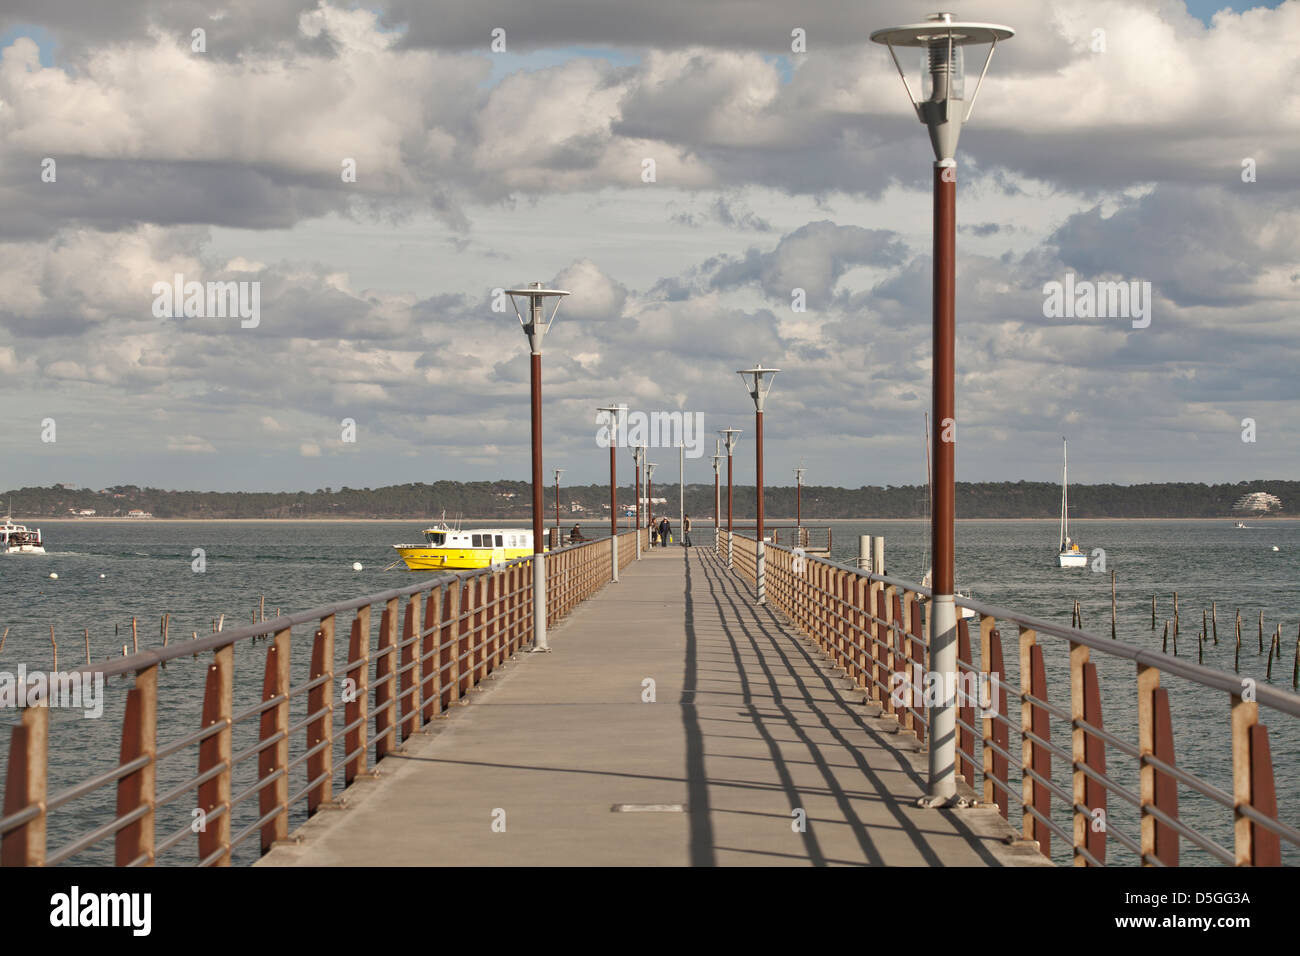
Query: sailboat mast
[1065,484]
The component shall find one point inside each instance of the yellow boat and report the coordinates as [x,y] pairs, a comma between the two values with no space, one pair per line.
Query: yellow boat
[447,548]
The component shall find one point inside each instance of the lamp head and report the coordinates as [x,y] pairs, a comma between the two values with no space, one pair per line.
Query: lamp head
[536,325]
[753,379]
[729,436]
[942,105]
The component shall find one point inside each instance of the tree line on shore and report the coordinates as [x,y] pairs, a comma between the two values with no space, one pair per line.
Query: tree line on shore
[513,499]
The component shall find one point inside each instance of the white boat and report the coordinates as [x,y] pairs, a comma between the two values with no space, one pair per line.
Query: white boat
[1241,524]
[1069,555]
[18,539]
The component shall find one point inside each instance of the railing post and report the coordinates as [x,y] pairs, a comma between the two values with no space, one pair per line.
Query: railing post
[386,682]
[1155,739]
[1252,785]
[26,783]
[966,711]
[997,732]
[408,702]
[1081,816]
[1034,720]
[137,789]
[430,656]
[1094,754]
[916,651]
[215,751]
[321,729]
[465,641]
[356,706]
[449,643]
[273,760]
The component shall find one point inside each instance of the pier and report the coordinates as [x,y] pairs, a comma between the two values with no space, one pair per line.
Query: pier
[675,721]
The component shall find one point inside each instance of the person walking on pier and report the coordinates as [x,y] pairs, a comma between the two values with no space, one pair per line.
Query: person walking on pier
[654,532]
[686,531]
[665,533]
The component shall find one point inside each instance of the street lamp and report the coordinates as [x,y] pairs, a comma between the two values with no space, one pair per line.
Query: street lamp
[638,456]
[716,458]
[535,327]
[798,496]
[615,413]
[943,109]
[558,472]
[649,494]
[729,436]
[753,379]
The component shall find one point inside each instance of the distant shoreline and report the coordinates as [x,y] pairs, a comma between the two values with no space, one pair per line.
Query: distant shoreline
[701,522]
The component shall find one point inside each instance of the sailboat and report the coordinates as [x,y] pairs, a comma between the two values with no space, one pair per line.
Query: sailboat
[1069,555]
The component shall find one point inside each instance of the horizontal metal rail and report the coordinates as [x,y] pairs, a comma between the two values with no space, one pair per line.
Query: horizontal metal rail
[434,641]
[876,628]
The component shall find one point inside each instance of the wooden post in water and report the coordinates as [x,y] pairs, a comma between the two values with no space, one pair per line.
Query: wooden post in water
[1112,604]
[165,622]
[1200,642]
[1236,654]
[1214,620]
[1175,623]
[1153,612]
[1268,674]
[55,646]
[135,638]
[87,632]
[1164,641]
[1295,667]
[1261,632]
[4,638]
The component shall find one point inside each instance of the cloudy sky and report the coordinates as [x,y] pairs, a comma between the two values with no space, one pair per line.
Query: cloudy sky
[1113,139]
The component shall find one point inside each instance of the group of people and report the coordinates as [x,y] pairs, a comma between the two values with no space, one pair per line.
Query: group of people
[661,532]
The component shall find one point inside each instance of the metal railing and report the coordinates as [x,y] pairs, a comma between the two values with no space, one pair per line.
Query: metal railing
[435,641]
[874,628]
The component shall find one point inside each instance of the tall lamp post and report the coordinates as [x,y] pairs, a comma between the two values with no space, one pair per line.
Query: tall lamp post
[716,458]
[638,456]
[650,467]
[615,413]
[558,472]
[798,496]
[729,436]
[943,108]
[753,379]
[535,327]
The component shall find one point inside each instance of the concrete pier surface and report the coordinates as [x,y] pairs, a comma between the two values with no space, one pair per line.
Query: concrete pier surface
[747,749]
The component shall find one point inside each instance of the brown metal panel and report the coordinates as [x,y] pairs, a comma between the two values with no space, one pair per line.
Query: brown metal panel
[215,750]
[916,649]
[1094,751]
[1000,731]
[430,686]
[129,791]
[966,711]
[1042,758]
[408,702]
[1166,796]
[385,690]
[1265,845]
[275,758]
[321,729]
[357,697]
[465,660]
[26,784]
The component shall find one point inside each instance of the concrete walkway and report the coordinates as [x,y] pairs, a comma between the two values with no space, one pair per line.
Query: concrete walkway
[749,731]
